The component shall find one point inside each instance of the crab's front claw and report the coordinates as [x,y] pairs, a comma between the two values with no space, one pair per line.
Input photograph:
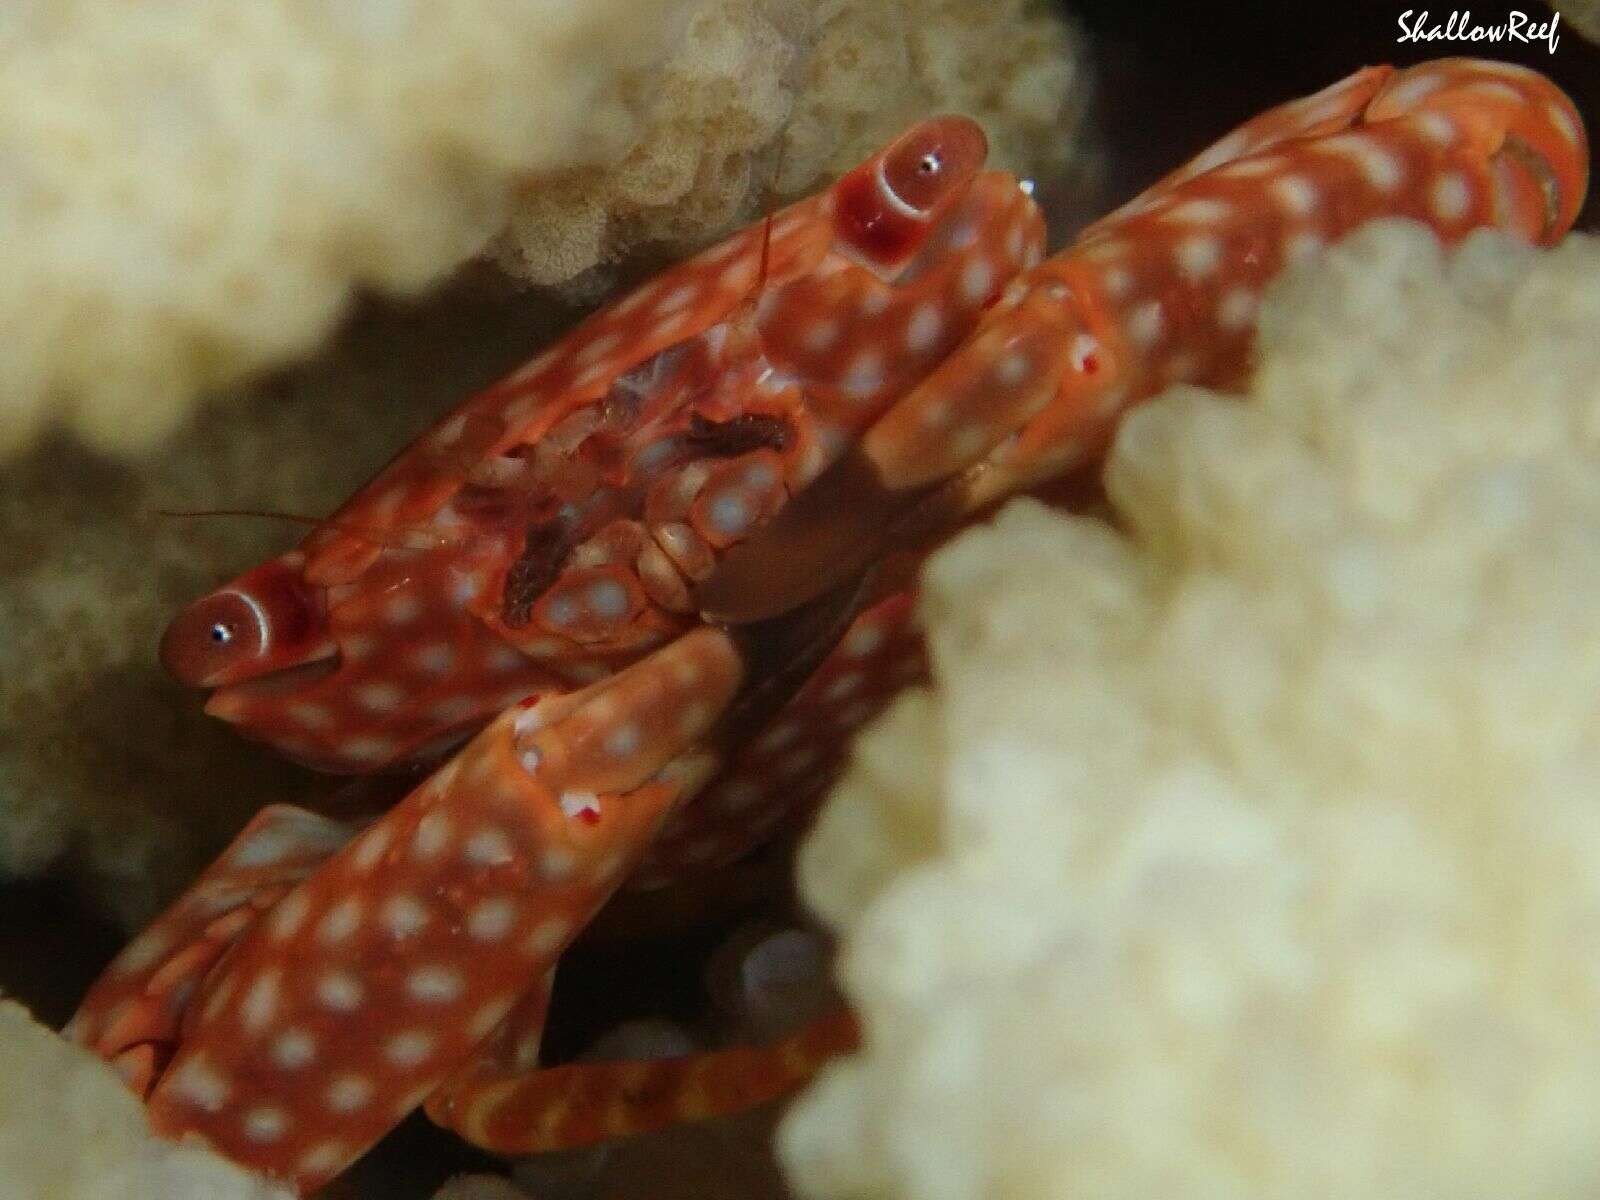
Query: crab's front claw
[1032,360]
[292,1042]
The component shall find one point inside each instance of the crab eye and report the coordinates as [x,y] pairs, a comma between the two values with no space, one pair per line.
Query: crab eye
[221,633]
[930,163]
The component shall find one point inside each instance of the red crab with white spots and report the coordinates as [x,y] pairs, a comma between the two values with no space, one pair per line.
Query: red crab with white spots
[658,576]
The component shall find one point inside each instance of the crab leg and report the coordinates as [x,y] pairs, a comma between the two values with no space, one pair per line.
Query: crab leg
[374,979]
[512,1111]
[1166,292]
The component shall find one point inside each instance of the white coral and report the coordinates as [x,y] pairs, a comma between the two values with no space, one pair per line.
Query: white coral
[1255,851]
[192,190]
[71,1130]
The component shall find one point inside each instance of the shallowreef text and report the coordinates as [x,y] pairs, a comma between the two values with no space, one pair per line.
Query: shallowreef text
[1458,27]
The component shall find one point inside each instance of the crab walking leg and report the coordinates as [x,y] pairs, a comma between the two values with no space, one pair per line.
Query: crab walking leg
[1165,293]
[134,1014]
[377,977]
[516,1112]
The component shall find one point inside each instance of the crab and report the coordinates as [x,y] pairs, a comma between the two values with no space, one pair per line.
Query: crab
[637,596]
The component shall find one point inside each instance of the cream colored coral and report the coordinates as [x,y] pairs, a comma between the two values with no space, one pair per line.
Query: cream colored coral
[780,95]
[71,1130]
[1585,14]
[1255,851]
[192,190]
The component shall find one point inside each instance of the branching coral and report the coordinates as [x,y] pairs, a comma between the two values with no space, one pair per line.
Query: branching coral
[1253,851]
[773,96]
[193,190]
[71,1130]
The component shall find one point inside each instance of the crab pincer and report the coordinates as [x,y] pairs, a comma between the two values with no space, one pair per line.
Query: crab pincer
[1165,290]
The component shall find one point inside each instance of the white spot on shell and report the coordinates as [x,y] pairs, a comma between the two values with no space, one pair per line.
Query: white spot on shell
[864,377]
[623,740]
[1012,369]
[491,920]
[265,1124]
[1145,324]
[312,716]
[409,1049]
[402,609]
[1301,246]
[293,1048]
[575,803]
[483,1022]
[1564,122]
[348,1093]
[404,916]
[340,991]
[436,658]
[370,846]
[1296,194]
[977,277]
[1436,127]
[1199,211]
[557,864]
[863,641]
[820,336]
[324,1159]
[1451,197]
[1236,309]
[1253,168]
[1198,256]
[289,915]
[548,936]
[343,919]
[368,749]
[488,847]
[432,835]
[434,985]
[1406,94]
[379,697]
[201,1084]
[260,1003]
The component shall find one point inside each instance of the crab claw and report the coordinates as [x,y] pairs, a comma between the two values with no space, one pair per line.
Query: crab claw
[1024,358]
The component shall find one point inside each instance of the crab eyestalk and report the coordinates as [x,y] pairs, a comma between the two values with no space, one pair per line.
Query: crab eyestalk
[267,620]
[885,208]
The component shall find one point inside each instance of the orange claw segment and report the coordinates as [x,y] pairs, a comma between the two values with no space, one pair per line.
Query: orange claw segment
[582,1103]
[374,979]
[1512,116]
[378,976]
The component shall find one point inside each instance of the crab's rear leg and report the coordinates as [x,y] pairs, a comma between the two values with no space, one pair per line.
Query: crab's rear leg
[510,1110]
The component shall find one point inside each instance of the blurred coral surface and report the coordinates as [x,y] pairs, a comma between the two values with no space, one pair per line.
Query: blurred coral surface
[71,1130]
[1249,848]
[192,191]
